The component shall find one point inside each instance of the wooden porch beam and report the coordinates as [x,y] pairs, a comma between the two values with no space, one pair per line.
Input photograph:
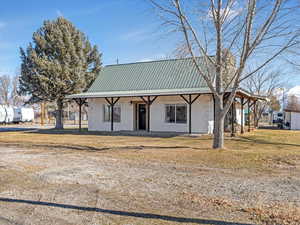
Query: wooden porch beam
[190,101]
[242,115]
[112,103]
[148,101]
[80,102]
[233,119]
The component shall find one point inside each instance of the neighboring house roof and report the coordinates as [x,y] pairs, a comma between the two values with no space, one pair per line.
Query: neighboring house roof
[172,76]
[292,110]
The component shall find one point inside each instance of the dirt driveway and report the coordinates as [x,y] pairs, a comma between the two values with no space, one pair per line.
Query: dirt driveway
[48,187]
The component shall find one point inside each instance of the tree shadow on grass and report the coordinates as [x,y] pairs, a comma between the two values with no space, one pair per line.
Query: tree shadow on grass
[85,131]
[15,129]
[91,148]
[125,213]
[265,142]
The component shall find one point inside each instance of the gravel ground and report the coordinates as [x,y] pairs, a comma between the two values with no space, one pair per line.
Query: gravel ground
[71,187]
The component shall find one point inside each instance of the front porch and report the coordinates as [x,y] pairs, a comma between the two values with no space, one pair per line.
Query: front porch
[141,115]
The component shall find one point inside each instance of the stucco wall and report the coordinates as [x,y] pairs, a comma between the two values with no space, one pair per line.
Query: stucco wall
[202,115]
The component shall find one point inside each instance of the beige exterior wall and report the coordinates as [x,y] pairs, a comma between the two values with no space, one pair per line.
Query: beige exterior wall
[202,115]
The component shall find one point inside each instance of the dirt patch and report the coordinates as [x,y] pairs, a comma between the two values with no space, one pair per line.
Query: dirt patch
[71,187]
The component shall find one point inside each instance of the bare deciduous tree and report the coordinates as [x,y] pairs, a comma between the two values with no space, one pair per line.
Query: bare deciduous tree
[263,83]
[230,30]
[293,103]
[9,91]
[5,85]
[15,98]
[294,57]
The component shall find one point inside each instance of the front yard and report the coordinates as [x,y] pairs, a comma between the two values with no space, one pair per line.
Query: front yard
[63,177]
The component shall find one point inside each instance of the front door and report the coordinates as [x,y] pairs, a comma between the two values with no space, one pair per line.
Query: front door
[141,116]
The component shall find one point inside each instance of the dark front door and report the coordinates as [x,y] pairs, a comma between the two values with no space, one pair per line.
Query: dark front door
[141,116]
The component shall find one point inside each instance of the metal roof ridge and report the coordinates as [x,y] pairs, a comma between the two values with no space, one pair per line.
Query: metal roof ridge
[158,60]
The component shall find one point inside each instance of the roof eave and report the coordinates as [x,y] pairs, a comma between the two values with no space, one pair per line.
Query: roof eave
[139,93]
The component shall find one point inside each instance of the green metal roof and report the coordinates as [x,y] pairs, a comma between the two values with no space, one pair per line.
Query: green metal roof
[163,77]
[148,78]
[154,75]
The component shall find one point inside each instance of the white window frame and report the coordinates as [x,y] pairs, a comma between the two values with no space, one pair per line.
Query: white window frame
[175,107]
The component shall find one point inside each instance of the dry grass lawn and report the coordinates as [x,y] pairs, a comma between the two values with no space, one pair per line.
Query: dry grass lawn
[261,149]
[94,178]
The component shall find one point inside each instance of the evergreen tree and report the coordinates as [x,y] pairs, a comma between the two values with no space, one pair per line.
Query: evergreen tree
[60,61]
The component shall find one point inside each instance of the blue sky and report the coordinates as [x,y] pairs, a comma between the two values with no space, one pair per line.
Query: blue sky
[123,29]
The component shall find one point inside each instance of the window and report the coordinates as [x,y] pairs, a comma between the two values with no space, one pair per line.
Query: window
[176,113]
[107,113]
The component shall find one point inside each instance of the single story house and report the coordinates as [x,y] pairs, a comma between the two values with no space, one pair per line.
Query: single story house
[163,96]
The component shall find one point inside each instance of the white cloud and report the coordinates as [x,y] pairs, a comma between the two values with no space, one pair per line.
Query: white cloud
[294,91]
[229,12]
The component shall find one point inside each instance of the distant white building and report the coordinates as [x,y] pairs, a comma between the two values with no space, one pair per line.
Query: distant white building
[165,95]
[292,112]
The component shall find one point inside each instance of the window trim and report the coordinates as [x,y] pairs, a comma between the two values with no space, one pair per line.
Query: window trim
[175,108]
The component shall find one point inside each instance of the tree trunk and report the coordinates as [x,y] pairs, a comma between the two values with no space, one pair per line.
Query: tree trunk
[59,115]
[218,141]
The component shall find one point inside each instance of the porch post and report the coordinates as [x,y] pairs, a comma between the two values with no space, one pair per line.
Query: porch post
[148,102]
[112,103]
[254,114]
[249,116]
[190,113]
[112,115]
[213,97]
[190,101]
[148,114]
[232,118]
[80,104]
[242,115]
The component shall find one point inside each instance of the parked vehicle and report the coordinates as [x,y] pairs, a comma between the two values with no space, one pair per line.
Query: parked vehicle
[6,114]
[277,117]
[27,114]
[23,114]
[2,114]
[17,115]
[10,114]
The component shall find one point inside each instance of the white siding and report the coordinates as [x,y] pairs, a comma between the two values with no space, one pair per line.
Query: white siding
[96,119]
[238,114]
[295,121]
[202,115]
[202,112]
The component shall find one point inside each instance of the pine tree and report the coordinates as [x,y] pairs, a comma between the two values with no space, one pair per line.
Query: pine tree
[60,61]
